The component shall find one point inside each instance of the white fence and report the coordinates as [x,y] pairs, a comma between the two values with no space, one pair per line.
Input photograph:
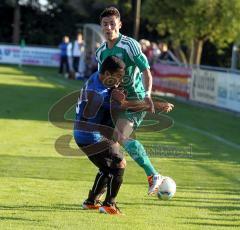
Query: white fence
[29,55]
[213,86]
[221,89]
[209,86]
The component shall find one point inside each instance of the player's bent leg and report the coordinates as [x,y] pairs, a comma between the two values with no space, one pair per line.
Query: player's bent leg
[122,164]
[100,184]
[136,150]
[123,130]
[111,163]
[139,154]
[99,187]
[109,205]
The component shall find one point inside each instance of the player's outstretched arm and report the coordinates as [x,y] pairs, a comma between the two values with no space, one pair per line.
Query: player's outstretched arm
[124,104]
[163,106]
[148,87]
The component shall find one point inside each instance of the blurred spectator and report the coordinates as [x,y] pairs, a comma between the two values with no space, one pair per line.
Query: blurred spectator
[69,56]
[155,52]
[150,49]
[71,74]
[64,62]
[77,52]
[146,48]
[158,52]
[166,55]
[91,61]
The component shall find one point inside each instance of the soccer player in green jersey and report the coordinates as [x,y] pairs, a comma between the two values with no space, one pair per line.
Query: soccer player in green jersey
[137,71]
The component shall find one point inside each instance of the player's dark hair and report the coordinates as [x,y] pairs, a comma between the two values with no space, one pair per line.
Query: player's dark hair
[112,64]
[110,11]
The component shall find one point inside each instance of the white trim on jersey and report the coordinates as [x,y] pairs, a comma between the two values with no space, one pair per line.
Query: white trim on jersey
[134,45]
[135,73]
[127,48]
[98,53]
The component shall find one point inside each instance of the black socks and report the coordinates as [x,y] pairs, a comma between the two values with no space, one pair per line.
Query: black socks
[99,186]
[114,184]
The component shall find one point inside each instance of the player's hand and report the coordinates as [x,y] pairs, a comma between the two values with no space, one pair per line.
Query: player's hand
[163,106]
[118,95]
[149,101]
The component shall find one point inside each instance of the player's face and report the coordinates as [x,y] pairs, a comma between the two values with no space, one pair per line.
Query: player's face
[110,27]
[113,79]
[66,39]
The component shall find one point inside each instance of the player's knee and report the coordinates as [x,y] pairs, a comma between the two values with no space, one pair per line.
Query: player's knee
[104,171]
[117,172]
[122,164]
[119,137]
[115,147]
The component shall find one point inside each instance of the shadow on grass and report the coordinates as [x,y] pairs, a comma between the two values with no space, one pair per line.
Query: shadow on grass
[219,173]
[52,168]
[212,191]
[207,200]
[177,143]
[212,224]
[177,204]
[15,73]
[226,214]
[206,218]
[28,103]
[31,102]
[42,208]
[7,218]
[205,221]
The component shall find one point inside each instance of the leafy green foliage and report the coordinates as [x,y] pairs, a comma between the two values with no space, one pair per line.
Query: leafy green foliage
[47,24]
[185,21]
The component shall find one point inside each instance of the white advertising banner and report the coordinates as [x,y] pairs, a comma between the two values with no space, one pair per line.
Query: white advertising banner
[204,86]
[222,92]
[220,89]
[234,92]
[29,55]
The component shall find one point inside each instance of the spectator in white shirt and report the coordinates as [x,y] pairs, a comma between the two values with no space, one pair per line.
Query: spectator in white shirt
[78,49]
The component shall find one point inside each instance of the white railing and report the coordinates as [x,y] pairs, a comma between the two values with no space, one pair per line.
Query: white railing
[214,86]
[29,55]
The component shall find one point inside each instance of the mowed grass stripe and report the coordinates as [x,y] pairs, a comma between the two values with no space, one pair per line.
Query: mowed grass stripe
[40,189]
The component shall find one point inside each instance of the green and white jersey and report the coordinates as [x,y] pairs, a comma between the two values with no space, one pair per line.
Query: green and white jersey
[129,50]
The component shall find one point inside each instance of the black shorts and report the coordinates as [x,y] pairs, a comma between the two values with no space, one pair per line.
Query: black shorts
[102,154]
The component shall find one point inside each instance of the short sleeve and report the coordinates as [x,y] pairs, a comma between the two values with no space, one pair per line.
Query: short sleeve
[141,62]
[136,54]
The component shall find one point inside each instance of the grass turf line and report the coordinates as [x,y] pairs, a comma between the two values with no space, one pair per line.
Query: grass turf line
[41,189]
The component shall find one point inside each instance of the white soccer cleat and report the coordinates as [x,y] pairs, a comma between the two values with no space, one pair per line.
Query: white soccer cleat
[154,182]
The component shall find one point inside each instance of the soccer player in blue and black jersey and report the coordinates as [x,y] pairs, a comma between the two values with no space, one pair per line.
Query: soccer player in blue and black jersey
[94,129]
[92,112]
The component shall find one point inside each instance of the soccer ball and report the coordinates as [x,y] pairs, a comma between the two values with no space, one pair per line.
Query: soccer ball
[166,189]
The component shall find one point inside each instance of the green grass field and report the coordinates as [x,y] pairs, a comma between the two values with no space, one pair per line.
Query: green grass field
[41,189]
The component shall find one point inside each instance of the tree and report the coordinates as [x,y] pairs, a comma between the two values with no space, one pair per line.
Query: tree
[37,23]
[16,18]
[16,23]
[92,14]
[46,24]
[191,23]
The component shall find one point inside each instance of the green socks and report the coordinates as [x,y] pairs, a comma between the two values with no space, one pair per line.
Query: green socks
[136,150]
